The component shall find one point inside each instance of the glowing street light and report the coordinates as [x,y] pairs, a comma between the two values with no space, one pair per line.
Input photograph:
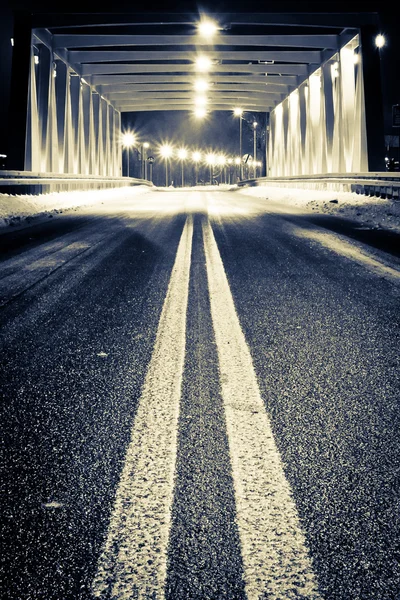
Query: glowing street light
[196,157]
[207,28]
[201,85]
[166,152]
[145,146]
[182,154]
[238,113]
[200,101]
[200,112]
[128,141]
[211,159]
[380,41]
[203,63]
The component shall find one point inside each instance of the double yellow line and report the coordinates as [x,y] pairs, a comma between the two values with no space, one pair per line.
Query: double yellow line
[275,557]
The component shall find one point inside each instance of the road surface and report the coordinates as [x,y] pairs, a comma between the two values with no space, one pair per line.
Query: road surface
[200,401]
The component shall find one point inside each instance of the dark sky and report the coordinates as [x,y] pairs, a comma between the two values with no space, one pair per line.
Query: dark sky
[221,129]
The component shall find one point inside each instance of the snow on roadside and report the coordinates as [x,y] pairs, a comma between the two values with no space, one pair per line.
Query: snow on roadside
[15,210]
[368,211]
[371,212]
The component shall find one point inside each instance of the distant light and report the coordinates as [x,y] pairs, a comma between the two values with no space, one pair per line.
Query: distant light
[255,124]
[36,59]
[237,160]
[196,156]
[221,160]
[201,85]
[182,153]
[207,28]
[200,101]
[12,41]
[211,158]
[128,140]
[203,63]
[166,151]
[146,145]
[200,112]
[335,70]
[238,111]
[380,41]
[230,161]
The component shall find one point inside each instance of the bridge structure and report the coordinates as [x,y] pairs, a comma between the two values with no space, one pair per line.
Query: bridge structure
[317,75]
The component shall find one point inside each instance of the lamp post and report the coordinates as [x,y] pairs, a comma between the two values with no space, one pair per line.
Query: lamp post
[238,163]
[211,162]
[128,140]
[238,113]
[145,145]
[196,156]
[255,148]
[166,153]
[182,154]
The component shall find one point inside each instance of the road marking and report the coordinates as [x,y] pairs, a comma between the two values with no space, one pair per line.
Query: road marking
[274,552]
[134,561]
[347,249]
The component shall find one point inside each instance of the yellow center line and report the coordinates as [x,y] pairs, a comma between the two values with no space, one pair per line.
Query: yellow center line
[134,559]
[275,557]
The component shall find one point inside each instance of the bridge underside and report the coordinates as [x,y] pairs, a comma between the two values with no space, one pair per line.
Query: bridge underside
[317,75]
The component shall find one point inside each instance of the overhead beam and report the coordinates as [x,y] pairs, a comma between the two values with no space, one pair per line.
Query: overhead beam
[171,87]
[105,81]
[189,107]
[327,19]
[150,96]
[102,69]
[296,41]
[294,56]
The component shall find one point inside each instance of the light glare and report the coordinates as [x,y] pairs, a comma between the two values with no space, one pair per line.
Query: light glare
[201,85]
[203,63]
[200,112]
[128,140]
[207,28]
[380,41]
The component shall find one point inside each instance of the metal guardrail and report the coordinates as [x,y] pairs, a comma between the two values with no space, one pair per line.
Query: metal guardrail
[33,183]
[381,185]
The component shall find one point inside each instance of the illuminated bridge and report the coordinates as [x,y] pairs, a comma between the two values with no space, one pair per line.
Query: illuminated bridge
[316,75]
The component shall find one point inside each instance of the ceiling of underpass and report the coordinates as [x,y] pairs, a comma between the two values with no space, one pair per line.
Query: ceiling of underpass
[148,61]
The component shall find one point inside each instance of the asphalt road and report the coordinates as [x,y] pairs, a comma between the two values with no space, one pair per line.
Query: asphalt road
[200,400]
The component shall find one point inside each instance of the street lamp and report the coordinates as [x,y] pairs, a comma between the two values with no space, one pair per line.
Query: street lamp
[207,28]
[221,161]
[196,157]
[145,145]
[210,159]
[255,148]
[128,140]
[203,63]
[238,113]
[238,163]
[166,153]
[182,154]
